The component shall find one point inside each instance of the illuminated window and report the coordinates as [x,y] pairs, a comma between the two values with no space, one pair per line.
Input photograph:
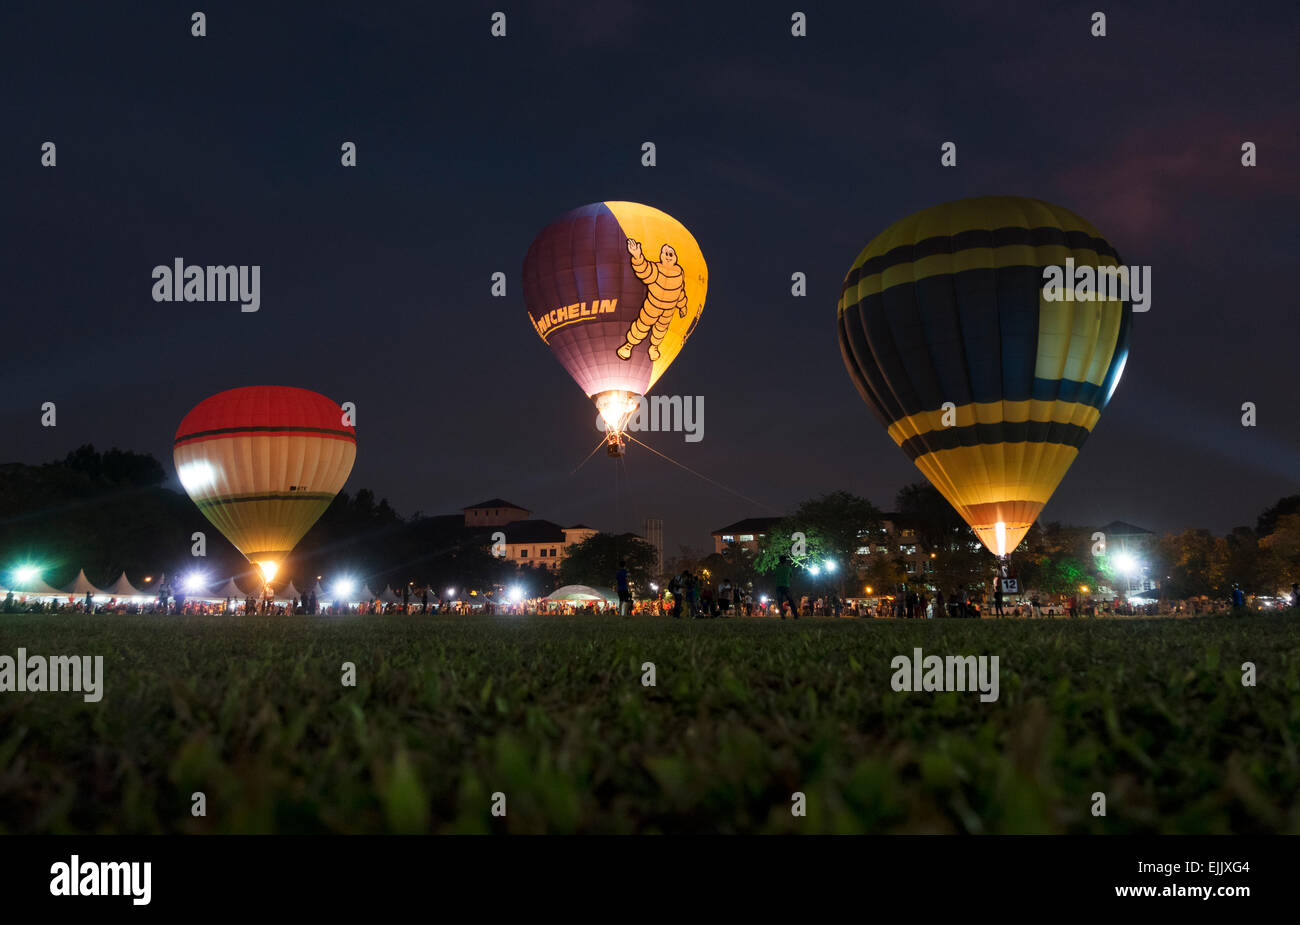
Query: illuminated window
[747,537]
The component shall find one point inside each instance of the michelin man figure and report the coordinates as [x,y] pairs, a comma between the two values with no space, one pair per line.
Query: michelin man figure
[665,290]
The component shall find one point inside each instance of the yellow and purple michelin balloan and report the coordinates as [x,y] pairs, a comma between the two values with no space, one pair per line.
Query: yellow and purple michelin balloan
[615,290]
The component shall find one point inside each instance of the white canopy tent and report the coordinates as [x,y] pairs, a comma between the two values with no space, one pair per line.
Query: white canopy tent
[388,597]
[288,593]
[231,591]
[581,594]
[81,585]
[122,589]
[37,588]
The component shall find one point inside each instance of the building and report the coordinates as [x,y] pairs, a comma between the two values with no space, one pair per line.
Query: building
[895,540]
[748,533]
[1128,549]
[1123,537]
[891,539]
[495,512]
[527,542]
[654,535]
[541,543]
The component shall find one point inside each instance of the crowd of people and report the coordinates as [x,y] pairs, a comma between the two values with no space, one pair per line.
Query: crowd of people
[689,595]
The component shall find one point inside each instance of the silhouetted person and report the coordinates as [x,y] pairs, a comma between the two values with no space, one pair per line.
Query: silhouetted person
[624,591]
[784,570]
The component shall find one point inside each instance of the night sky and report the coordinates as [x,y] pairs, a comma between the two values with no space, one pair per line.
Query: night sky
[780,154]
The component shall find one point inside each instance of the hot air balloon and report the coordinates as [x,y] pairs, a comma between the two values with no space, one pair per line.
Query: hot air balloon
[263,463]
[947,306]
[615,289]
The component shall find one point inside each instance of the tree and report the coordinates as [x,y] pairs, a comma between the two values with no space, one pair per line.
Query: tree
[1192,564]
[735,563]
[957,558]
[1282,550]
[595,561]
[883,573]
[833,527]
[1267,521]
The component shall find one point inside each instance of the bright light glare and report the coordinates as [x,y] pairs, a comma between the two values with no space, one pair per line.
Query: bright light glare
[344,588]
[1126,564]
[763,599]
[653,586]
[197,475]
[831,566]
[194,581]
[26,574]
[516,594]
[815,569]
[451,592]
[269,568]
[1000,537]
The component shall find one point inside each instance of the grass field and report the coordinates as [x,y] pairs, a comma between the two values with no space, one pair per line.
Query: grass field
[552,713]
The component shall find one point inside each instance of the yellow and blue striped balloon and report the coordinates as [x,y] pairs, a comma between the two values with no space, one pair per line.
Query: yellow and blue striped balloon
[947,306]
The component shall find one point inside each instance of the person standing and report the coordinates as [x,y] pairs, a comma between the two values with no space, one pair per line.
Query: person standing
[623,588]
[784,571]
[1238,596]
[997,596]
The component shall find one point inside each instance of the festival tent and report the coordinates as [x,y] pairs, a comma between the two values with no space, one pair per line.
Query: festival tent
[38,588]
[388,597]
[123,588]
[82,585]
[230,591]
[581,594]
[319,591]
[367,596]
[288,593]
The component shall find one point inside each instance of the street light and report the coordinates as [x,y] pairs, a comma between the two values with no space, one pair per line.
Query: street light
[831,565]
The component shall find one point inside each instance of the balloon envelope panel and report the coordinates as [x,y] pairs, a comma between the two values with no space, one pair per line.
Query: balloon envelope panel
[947,306]
[615,320]
[263,463]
